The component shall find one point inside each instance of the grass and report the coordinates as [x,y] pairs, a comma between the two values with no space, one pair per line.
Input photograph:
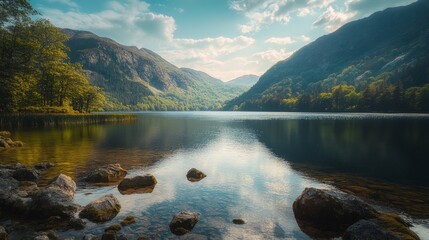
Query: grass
[24,120]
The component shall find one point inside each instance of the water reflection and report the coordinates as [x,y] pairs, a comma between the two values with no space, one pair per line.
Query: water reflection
[253,163]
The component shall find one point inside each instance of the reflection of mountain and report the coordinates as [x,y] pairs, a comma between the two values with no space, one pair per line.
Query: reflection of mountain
[393,150]
[160,133]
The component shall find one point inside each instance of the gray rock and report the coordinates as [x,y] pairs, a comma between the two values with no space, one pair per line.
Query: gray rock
[64,184]
[184,222]
[139,184]
[195,175]
[101,210]
[367,230]
[3,233]
[57,198]
[26,174]
[107,174]
[329,212]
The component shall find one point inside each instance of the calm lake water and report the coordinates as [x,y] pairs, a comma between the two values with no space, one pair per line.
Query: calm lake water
[254,164]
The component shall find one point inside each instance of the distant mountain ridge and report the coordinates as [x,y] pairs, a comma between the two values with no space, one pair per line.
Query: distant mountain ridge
[139,79]
[245,80]
[390,42]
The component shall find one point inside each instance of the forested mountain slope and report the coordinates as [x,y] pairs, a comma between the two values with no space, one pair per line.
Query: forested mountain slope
[139,79]
[379,63]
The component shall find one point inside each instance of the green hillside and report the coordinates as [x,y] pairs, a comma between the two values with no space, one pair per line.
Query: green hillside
[380,63]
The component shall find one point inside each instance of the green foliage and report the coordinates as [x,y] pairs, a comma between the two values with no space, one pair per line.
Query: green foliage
[36,73]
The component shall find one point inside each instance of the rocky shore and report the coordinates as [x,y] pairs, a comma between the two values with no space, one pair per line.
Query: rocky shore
[41,212]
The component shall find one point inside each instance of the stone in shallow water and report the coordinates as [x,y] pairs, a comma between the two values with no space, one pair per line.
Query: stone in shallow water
[139,184]
[195,175]
[101,210]
[319,212]
[107,174]
[184,222]
[365,229]
[238,221]
[44,165]
[128,221]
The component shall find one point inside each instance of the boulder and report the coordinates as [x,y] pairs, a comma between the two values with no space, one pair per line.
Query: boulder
[26,174]
[366,229]
[101,210]
[44,165]
[107,174]
[3,233]
[195,175]
[139,184]
[327,213]
[183,222]
[63,183]
[57,198]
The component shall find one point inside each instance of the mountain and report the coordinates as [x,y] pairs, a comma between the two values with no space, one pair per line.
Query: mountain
[139,79]
[379,63]
[245,81]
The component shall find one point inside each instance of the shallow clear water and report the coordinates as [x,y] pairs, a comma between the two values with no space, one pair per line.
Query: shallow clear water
[251,160]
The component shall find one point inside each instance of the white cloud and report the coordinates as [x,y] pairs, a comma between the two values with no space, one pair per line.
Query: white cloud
[266,12]
[129,22]
[305,38]
[333,19]
[69,3]
[283,41]
[273,55]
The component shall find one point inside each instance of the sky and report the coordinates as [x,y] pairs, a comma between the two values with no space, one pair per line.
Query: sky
[224,38]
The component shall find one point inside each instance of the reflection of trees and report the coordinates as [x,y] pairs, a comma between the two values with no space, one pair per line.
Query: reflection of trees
[389,149]
[67,147]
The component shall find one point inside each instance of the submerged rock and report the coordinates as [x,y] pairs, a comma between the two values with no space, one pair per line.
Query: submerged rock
[101,210]
[107,174]
[128,221]
[139,184]
[109,235]
[195,175]
[325,213]
[26,174]
[44,165]
[238,221]
[183,222]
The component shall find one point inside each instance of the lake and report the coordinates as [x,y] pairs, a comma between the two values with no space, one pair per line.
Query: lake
[256,166]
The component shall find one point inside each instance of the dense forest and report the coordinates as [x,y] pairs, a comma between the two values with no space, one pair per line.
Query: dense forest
[36,74]
[375,64]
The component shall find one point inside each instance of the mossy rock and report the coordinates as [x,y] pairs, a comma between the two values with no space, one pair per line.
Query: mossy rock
[395,225]
[128,221]
[115,228]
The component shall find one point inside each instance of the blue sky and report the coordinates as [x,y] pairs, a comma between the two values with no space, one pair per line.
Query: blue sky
[224,38]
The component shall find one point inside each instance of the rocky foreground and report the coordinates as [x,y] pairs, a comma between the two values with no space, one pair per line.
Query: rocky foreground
[40,212]
[43,211]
